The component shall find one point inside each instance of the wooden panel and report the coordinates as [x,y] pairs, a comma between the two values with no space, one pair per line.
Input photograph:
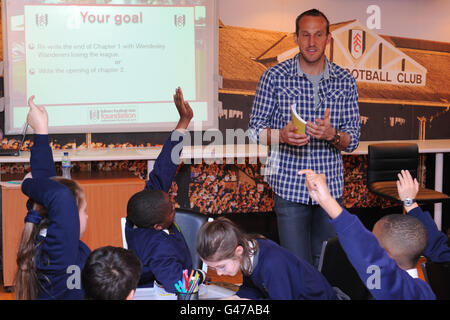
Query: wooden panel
[13,213]
[107,203]
[107,196]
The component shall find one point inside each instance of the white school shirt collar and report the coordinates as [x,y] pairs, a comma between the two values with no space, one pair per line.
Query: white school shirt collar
[413,272]
[43,232]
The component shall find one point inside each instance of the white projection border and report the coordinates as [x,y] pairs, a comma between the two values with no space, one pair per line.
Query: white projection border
[110,68]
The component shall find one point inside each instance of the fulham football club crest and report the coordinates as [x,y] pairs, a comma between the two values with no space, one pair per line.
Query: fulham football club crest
[180,21]
[357,42]
[41,20]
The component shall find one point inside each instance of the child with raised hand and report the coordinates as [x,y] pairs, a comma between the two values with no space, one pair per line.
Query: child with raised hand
[437,249]
[385,259]
[269,270]
[150,231]
[50,250]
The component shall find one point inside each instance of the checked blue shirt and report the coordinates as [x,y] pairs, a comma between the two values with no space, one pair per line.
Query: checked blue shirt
[285,84]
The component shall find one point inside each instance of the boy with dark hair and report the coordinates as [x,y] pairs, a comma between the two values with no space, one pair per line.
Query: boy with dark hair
[149,209]
[385,259]
[111,273]
[150,231]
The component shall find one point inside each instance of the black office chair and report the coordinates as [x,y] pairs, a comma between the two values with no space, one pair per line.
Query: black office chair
[189,223]
[437,275]
[339,272]
[385,161]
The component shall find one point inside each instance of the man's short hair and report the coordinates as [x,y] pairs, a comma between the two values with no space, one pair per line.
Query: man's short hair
[311,13]
[110,273]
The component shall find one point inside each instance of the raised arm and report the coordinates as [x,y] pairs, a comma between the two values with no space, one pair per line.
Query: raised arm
[41,160]
[167,162]
[362,247]
[437,248]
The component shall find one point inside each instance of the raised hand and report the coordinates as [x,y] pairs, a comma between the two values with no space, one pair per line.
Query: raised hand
[37,117]
[319,192]
[184,110]
[407,187]
[317,185]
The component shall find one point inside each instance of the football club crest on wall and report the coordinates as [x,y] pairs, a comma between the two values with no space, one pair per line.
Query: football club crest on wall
[357,42]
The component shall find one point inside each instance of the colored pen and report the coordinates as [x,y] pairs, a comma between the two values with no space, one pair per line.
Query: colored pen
[182,287]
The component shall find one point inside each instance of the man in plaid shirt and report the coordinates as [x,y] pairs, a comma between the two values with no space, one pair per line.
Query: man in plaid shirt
[326,97]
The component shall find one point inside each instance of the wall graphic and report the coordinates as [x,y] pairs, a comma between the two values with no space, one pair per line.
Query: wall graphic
[404,93]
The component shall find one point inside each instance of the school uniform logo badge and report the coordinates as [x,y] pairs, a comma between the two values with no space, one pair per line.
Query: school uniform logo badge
[357,43]
[180,21]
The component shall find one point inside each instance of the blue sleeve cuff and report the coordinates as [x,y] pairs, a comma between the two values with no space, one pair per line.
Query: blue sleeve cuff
[41,140]
[343,221]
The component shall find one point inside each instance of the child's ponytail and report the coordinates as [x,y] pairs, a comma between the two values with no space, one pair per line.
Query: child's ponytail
[27,282]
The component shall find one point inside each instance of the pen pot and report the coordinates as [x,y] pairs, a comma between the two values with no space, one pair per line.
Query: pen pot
[187,296]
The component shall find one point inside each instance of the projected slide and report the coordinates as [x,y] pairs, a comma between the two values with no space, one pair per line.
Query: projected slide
[103,68]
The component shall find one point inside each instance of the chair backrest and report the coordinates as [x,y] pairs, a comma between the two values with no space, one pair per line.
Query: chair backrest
[123,221]
[189,223]
[437,275]
[385,160]
[339,272]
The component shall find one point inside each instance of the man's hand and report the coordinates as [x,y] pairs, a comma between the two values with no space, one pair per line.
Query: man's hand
[288,135]
[321,129]
[184,110]
[37,117]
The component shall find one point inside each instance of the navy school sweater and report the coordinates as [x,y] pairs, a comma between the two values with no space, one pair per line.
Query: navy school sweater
[164,254]
[281,275]
[61,254]
[367,256]
[437,249]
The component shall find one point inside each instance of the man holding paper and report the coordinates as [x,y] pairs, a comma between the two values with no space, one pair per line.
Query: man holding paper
[326,97]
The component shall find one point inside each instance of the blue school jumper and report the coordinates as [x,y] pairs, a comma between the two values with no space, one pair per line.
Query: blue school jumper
[61,254]
[164,254]
[437,249]
[381,274]
[280,275]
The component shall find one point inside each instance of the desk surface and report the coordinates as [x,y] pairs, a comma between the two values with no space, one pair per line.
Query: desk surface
[207,152]
[209,292]
[425,146]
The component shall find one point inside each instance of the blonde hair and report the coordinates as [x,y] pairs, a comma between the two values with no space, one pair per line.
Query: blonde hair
[217,240]
[27,284]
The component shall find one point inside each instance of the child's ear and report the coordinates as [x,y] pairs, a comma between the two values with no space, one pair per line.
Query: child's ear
[157,227]
[238,251]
